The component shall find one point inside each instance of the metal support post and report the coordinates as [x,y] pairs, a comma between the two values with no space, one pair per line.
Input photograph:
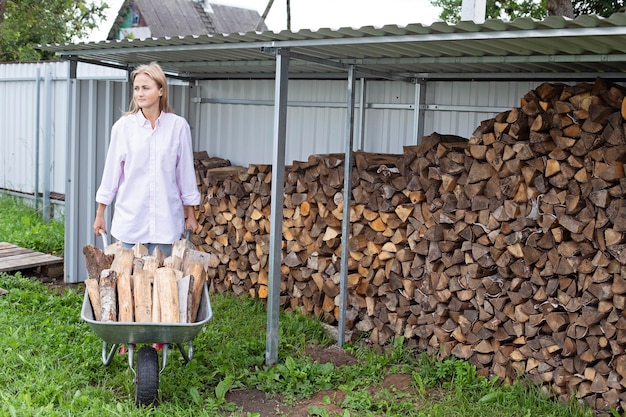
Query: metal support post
[47,147]
[72,227]
[347,197]
[277,201]
[418,112]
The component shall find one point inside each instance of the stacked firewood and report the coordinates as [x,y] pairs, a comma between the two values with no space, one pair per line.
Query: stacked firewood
[235,229]
[521,232]
[131,285]
[506,249]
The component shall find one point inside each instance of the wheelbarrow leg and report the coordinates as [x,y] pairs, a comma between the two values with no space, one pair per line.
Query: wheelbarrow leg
[187,355]
[107,355]
[166,350]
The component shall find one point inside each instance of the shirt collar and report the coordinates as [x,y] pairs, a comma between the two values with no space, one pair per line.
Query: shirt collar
[141,119]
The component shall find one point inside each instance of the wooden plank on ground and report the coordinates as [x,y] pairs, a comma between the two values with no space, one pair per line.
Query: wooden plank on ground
[14,258]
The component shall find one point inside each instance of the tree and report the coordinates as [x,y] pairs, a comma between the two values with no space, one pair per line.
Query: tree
[603,8]
[560,8]
[512,9]
[495,9]
[24,24]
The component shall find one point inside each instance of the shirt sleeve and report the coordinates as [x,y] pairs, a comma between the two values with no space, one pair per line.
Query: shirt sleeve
[113,169]
[185,171]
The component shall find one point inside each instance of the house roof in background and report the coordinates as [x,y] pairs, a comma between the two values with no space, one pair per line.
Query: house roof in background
[553,48]
[230,19]
[187,17]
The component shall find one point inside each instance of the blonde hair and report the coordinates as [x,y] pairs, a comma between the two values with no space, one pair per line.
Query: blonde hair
[154,71]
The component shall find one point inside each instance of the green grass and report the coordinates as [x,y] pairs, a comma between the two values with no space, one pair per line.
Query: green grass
[51,366]
[24,227]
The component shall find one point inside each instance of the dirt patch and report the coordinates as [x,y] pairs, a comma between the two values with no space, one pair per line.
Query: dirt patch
[55,283]
[255,401]
[398,382]
[323,400]
[329,401]
[331,354]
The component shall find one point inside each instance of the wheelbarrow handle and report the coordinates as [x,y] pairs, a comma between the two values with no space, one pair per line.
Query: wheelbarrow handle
[105,238]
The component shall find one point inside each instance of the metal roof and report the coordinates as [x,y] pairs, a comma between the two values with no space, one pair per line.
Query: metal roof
[525,48]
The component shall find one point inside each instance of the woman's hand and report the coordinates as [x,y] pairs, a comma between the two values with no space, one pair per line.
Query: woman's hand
[99,225]
[190,219]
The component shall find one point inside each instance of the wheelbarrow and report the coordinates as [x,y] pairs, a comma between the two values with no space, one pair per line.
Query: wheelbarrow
[146,370]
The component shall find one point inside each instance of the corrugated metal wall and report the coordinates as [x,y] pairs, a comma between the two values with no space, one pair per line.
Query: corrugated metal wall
[231,119]
[34,121]
[465,99]
[21,88]
[236,116]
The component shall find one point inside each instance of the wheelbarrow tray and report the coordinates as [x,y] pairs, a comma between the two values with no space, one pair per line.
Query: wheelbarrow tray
[131,332]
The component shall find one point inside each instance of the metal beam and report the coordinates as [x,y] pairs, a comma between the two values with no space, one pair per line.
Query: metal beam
[315,104]
[520,76]
[361,106]
[37,135]
[72,226]
[418,113]
[48,138]
[125,67]
[337,64]
[496,59]
[347,198]
[277,201]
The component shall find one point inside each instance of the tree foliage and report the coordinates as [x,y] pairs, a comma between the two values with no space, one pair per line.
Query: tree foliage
[538,9]
[28,23]
[603,8]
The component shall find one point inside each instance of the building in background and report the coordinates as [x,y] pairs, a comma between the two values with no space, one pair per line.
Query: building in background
[141,19]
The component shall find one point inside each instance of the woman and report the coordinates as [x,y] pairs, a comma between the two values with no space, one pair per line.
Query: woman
[149,169]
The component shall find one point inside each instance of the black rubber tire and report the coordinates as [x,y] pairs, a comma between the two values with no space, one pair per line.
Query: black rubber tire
[147,379]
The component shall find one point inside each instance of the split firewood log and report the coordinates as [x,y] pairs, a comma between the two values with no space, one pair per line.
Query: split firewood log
[166,289]
[185,292]
[108,295]
[196,263]
[123,265]
[93,291]
[143,295]
[96,261]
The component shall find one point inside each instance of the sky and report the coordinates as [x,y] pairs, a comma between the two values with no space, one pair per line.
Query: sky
[315,14]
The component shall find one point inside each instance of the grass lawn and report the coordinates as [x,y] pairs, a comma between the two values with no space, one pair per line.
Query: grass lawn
[23,226]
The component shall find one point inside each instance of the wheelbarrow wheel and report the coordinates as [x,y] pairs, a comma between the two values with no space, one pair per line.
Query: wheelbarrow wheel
[147,378]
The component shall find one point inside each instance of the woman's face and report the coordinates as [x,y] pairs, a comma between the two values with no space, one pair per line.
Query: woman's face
[146,92]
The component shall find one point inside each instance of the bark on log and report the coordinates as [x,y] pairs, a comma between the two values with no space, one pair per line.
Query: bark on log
[96,261]
[93,291]
[108,295]
[196,264]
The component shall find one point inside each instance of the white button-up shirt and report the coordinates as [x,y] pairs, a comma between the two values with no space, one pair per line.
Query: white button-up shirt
[150,174]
